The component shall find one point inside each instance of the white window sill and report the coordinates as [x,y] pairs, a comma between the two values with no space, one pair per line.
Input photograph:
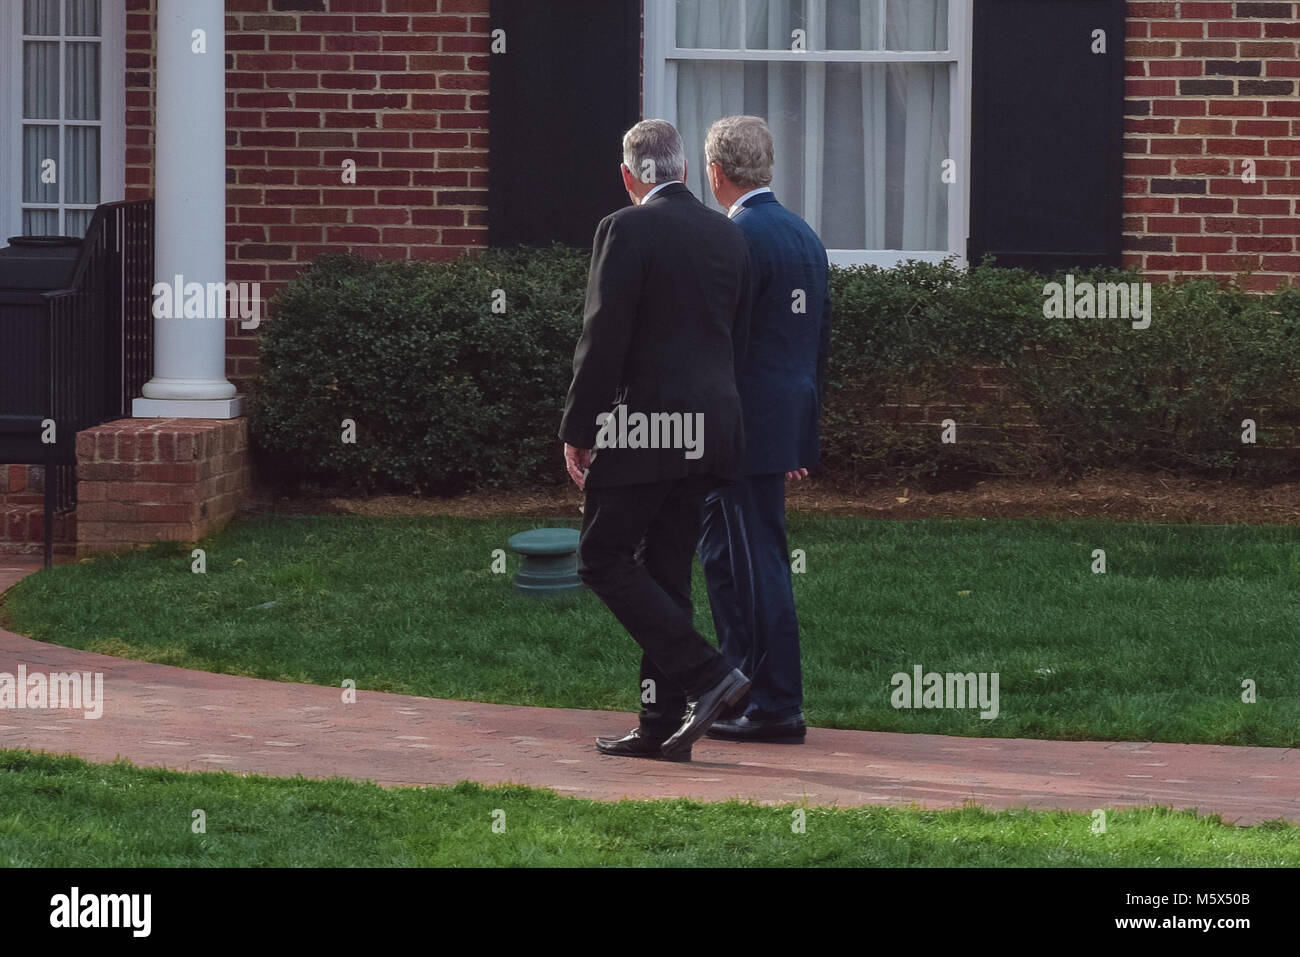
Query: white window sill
[888,258]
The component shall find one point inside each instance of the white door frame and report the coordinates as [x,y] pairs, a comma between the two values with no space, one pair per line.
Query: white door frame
[11,110]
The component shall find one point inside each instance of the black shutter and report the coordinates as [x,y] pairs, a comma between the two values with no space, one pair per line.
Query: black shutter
[1047,133]
[561,97]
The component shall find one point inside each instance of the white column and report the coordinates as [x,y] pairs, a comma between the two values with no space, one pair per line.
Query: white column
[190,216]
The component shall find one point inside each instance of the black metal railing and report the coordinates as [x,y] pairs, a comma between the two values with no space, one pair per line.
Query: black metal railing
[101,326]
[97,348]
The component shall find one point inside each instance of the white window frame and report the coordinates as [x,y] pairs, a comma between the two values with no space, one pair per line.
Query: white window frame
[659,99]
[112,110]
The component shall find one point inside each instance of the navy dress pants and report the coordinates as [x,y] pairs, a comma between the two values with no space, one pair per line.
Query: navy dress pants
[747,567]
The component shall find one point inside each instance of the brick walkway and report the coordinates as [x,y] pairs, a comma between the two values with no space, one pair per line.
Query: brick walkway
[169,717]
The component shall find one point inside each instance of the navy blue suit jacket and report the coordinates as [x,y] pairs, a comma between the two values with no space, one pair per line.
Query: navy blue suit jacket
[783,375]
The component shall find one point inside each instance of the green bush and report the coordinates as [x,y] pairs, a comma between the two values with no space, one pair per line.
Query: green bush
[1100,392]
[448,395]
[907,345]
[1172,396]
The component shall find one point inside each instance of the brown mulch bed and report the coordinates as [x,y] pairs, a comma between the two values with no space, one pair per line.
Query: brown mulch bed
[1105,495]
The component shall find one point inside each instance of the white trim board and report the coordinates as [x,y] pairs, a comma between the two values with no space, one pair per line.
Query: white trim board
[11,109]
[112,107]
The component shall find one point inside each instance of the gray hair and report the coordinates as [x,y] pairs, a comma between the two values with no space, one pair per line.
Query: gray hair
[742,146]
[653,151]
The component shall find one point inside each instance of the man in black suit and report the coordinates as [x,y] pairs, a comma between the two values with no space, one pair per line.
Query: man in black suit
[652,425]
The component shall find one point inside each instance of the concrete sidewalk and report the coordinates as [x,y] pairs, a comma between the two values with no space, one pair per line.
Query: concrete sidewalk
[161,716]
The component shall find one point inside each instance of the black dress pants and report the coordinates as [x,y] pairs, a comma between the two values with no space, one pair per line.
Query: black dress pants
[635,553]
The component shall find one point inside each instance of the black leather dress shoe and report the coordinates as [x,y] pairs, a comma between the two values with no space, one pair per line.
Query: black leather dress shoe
[635,745]
[704,710]
[791,730]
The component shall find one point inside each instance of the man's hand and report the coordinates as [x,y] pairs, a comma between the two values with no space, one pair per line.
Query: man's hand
[577,461]
[797,476]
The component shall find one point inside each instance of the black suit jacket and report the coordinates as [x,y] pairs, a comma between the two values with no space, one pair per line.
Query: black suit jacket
[665,325]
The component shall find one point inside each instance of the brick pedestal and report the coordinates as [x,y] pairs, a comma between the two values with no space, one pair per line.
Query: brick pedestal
[141,481]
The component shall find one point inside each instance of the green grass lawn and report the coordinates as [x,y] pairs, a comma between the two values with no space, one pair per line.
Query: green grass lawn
[1155,649]
[64,812]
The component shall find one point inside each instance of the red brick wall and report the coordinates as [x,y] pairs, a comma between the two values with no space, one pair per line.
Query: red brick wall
[22,513]
[1209,86]
[398,86]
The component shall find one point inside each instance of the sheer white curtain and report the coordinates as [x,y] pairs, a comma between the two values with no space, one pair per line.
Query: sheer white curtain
[918,110]
[859,146]
[706,90]
[62,111]
[40,142]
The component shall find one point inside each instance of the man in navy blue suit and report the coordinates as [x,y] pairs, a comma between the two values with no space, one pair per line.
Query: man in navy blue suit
[781,380]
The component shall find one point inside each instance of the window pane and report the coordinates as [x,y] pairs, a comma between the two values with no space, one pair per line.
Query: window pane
[41,18]
[916,25]
[859,147]
[852,24]
[83,18]
[706,91]
[711,24]
[772,23]
[77,221]
[81,165]
[82,97]
[41,222]
[40,148]
[40,81]
[61,83]
[886,164]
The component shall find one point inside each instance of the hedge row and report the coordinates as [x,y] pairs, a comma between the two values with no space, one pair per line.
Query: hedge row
[455,375]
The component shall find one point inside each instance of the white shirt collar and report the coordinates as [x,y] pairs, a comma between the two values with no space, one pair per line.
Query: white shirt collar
[646,198]
[735,207]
